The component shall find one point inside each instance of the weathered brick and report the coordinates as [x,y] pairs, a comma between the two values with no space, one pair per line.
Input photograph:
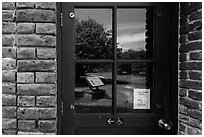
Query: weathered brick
[47,113]
[190,84]
[46,53]
[195,113]
[45,77]
[8,64]
[27,113]
[195,123]
[195,16]
[183,109]
[35,40]
[194,131]
[182,57]
[7,40]
[25,77]
[8,52]
[35,15]
[182,127]
[183,20]
[195,26]
[195,75]
[45,5]
[36,89]
[8,76]
[8,88]
[25,28]
[8,123]
[8,5]
[36,113]
[195,35]
[36,65]
[9,132]
[195,95]
[8,15]
[46,101]
[182,92]
[183,75]
[47,125]
[192,7]
[182,39]
[190,66]
[45,28]
[30,133]
[25,5]
[28,125]
[183,118]
[196,55]
[8,27]
[8,112]
[190,47]
[26,100]
[8,100]
[26,53]
[184,29]
[190,103]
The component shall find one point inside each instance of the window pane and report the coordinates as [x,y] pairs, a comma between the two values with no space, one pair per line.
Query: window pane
[93,34]
[134,87]
[134,34]
[93,88]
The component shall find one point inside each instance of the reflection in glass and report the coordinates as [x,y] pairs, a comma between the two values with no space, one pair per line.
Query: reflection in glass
[93,34]
[132,34]
[132,76]
[93,88]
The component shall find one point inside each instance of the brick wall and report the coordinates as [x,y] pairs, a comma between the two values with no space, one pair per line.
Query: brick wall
[190,67]
[28,68]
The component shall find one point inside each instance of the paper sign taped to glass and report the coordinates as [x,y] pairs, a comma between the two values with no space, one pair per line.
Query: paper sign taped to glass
[141,99]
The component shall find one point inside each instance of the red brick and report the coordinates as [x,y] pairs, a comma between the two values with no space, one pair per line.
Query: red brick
[8,100]
[196,55]
[8,112]
[195,75]
[26,100]
[8,52]
[9,132]
[190,66]
[195,35]
[8,64]
[36,89]
[36,65]
[26,125]
[45,28]
[46,53]
[46,77]
[25,77]
[8,123]
[8,76]
[8,27]
[182,92]
[195,95]
[45,5]
[195,16]
[26,53]
[7,40]
[35,16]
[47,125]
[9,88]
[25,5]
[190,84]
[190,47]
[183,75]
[190,103]
[8,5]
[25,28]
[194,131]
[195,114]
[46,101]
[8,15]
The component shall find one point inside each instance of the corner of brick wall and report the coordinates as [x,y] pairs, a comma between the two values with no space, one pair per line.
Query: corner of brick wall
[190,69]
[29,68]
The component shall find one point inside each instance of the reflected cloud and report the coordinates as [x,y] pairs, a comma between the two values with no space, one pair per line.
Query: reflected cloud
[130,38]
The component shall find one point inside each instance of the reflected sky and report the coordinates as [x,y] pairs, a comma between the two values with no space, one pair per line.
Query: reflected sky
[130,27]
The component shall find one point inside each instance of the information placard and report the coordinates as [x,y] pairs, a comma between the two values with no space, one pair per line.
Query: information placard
[141,99]
[94,81]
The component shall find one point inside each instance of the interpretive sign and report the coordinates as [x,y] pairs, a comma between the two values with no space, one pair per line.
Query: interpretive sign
[94,81]
[141,99]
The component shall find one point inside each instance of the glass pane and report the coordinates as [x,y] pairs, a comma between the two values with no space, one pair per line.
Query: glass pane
[134,34]
[93,34]
[93,88]
[134,87]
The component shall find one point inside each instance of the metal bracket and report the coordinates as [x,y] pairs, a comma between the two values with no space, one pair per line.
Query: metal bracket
[61,24]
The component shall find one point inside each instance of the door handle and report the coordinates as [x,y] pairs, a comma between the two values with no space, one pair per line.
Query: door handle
[163,124]
[72,107]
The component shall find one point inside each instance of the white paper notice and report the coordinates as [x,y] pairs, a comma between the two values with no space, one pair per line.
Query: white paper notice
[141,99]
